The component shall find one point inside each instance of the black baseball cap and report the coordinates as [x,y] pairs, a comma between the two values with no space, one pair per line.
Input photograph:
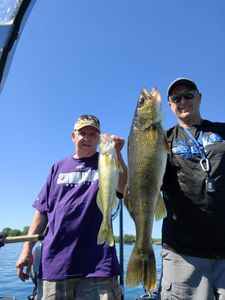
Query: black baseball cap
[181,81]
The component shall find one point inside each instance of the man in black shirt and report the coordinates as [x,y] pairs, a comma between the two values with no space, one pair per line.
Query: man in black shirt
[193,233]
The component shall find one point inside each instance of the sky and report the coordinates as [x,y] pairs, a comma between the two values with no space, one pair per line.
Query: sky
[81,56]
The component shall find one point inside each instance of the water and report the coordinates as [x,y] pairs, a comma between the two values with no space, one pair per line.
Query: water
[133,293]
[10,285]
[9,282]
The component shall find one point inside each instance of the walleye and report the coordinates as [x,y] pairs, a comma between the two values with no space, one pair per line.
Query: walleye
[147,155]
[108,170]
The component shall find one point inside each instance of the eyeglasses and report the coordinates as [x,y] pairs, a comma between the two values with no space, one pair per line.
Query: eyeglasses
[187,95]
[89,117]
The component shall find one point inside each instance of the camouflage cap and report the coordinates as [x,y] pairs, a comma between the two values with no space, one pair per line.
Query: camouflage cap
[87,120]
[181,81]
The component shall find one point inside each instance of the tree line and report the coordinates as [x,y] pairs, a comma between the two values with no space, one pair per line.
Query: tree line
[127,238]
[14,232]
[130,239]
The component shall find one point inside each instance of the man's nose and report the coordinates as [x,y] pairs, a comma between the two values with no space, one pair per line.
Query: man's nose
[184,100]
[86,137]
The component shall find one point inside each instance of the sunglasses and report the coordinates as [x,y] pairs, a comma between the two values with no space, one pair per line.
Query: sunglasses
[187,95]
[89,117]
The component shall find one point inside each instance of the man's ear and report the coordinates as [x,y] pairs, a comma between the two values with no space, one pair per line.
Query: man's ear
[73,136]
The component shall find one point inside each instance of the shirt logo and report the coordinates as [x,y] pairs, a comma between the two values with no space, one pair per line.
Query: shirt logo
[77,177]
[188,150]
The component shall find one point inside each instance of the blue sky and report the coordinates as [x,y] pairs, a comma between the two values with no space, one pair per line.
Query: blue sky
[95,57]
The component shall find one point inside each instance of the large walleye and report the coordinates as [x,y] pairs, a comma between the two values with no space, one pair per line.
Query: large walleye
[147,154]
[108,170]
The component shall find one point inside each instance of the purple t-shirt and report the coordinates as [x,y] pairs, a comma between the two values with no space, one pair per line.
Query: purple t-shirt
[69,199]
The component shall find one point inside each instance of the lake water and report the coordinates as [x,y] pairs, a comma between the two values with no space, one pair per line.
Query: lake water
[10,285]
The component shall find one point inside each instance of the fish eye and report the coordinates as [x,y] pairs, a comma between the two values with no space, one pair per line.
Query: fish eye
[141,100]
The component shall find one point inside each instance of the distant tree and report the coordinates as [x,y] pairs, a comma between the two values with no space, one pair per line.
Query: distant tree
[117,239]
[156,241]
[25,230]
[14,232]
[6,231]
[129,239]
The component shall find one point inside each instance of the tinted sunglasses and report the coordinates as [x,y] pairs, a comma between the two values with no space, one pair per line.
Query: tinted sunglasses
[187,95]
[89,117]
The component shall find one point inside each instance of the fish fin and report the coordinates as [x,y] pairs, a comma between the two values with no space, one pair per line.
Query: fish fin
[153,134]
[116,165]
[167,144]
[141,269]
[99,202]
[127,202]
[119,166]
[105,234]
[160,211]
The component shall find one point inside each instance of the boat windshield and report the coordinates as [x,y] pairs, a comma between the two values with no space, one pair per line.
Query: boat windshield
[8,11]
[13,15]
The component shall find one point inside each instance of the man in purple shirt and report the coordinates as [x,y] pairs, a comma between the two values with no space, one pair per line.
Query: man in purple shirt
[73,265]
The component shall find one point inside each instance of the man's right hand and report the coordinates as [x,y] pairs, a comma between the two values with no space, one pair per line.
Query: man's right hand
[23,265]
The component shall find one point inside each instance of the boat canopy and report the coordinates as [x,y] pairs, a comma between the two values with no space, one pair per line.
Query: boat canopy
[13,16]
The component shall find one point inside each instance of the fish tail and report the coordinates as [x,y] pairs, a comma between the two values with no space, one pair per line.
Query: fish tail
[142,270]
[105,234]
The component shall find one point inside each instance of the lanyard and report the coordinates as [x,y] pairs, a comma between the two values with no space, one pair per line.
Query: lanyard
[204,162]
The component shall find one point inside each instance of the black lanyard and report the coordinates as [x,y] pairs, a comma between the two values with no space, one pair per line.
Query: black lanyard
[204,162]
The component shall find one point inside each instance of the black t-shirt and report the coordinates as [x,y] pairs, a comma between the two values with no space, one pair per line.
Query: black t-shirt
[195,224]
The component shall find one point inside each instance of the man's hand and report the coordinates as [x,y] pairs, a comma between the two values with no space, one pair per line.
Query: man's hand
[25,260]
[119,142]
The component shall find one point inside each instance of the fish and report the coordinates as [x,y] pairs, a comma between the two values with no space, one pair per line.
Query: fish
[108,173]
[147,157]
